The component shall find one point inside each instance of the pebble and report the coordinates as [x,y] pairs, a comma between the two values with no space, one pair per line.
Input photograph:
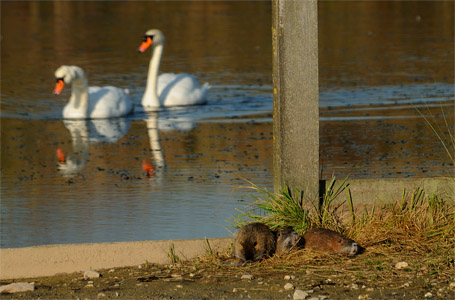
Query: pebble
[428,295]
[401,265]
[101,295]
[452,285]
[363,297]
[299,294]
[288,286]
[89,285]
[354,286]
[289,277]
[17,287]
[91,274]
[248,276]
[179,286]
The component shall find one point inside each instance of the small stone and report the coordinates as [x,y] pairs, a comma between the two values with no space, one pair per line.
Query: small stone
[248,276]
[234,290]
[179,286]
[363,297]
[289,277]
[91,274]
[139,267]
[111,271]
[428,295]
[401,265]
[101,295]
[452,285]
[117,294]
[89,285]
[192,275]
[17,287]
[299,294]
[354,286]
[288,286]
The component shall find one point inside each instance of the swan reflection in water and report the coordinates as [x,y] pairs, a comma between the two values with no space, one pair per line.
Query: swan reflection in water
[83,132]
[155,125]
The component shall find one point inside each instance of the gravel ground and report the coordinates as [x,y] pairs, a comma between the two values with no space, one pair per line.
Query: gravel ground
[356,278]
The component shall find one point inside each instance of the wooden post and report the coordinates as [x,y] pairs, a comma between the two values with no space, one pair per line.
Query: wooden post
[295,96]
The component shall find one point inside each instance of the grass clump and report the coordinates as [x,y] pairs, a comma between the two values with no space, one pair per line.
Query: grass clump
[415,221]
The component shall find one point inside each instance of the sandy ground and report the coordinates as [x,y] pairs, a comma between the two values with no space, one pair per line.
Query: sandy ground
[328,277]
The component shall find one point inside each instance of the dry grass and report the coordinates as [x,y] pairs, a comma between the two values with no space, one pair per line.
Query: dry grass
[418,228]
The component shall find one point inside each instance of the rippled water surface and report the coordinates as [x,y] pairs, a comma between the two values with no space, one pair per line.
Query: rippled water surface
[379,61]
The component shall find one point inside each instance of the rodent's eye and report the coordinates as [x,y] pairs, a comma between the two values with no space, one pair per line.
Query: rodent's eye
[339,241]
[255,244]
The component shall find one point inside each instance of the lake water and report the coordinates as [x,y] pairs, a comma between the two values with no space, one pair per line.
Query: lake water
[379,61]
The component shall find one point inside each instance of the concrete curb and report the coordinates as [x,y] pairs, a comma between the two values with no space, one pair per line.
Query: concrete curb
[40,261]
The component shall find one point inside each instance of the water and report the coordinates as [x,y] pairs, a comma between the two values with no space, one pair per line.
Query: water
[378,61]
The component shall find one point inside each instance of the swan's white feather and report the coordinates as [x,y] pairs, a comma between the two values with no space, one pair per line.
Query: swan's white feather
[103,102]
[181,89]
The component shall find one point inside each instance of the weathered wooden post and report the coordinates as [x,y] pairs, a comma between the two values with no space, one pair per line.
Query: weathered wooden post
[295,96]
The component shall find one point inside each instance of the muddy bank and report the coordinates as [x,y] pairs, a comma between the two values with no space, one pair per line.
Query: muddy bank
[366,276]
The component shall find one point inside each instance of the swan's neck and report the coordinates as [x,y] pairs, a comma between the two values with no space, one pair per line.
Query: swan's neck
[79,97]
[150,97]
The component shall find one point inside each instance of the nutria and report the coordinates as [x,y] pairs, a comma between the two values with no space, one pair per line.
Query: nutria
[286,239]
[254,242]
[329,241]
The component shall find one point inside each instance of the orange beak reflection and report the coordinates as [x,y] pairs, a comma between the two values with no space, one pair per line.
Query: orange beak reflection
[145,44]
[59,86]
[61,156]
[148,168]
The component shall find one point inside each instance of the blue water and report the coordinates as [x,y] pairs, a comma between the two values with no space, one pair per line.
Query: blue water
[204,156]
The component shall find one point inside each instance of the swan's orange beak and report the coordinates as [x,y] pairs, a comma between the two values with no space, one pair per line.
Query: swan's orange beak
[148,168]
[59,86]
[61,156]
[145,44]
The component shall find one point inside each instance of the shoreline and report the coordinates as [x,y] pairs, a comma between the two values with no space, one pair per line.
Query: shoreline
[50,260]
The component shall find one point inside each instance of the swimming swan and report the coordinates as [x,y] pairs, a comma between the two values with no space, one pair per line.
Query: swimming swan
[168,89]
[90,102]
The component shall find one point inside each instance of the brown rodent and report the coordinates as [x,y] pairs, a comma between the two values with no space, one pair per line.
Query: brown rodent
[254,242]
[329,241]
[286,239]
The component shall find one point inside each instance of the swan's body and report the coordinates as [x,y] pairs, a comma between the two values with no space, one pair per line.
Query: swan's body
[168,89]
[91,102]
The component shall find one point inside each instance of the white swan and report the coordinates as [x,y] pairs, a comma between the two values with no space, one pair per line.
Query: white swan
[168,89]
[90,102]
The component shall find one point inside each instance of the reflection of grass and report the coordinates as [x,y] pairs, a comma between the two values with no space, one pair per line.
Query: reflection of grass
[443,133]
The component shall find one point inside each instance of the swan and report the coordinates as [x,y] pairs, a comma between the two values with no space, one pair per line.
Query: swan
[168,89]
[90,102]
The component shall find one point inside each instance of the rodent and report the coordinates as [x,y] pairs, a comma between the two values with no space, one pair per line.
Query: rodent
[286,239]
[254,242]
[329,241]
